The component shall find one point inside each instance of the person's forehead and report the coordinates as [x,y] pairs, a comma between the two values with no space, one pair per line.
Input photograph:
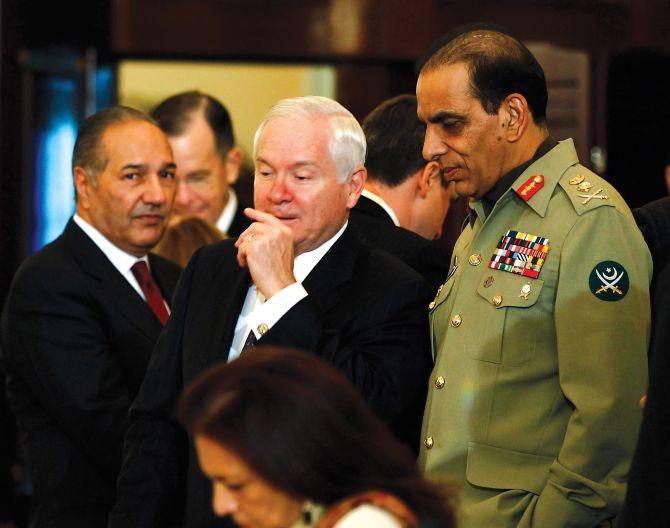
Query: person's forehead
[445,88]
[301,139]
[134,141]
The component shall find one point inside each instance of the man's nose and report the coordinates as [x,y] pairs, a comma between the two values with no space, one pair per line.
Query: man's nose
[279,191]
[223,502]
[432,146]
[154,192]
[182,197]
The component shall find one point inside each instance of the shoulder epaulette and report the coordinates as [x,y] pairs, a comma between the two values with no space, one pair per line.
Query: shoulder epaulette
[586,190]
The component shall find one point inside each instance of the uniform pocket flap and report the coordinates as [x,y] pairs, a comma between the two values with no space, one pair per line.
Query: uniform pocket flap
[493,467]
[502,289]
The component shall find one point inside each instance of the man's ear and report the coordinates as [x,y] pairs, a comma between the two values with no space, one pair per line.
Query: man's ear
[514,117]
[83,186]
[667,177]
[234,159]
[355,185]
[427,177]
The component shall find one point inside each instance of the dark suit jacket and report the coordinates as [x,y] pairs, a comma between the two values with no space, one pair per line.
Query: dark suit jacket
[375,226]
[647,502]
[240,222]
[76,340]
[365,313]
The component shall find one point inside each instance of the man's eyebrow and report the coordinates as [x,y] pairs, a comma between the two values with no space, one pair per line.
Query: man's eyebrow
[170,165]
[441,115]
[135,166]
[302,163]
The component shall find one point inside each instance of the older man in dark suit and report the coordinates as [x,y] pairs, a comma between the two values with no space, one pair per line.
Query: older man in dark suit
[298,276]
[83,315]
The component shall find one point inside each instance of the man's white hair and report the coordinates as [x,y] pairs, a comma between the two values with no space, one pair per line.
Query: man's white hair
[347,141]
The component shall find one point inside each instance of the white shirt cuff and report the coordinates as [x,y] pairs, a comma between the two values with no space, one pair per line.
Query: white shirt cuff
[267,314]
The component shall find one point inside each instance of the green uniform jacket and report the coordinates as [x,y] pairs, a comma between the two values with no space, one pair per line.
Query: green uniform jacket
[533,403]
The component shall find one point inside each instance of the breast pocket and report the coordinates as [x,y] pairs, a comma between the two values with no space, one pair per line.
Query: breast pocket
[509,317]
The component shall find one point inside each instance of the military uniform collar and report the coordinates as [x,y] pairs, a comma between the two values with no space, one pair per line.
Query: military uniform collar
[511,180]
[551,167]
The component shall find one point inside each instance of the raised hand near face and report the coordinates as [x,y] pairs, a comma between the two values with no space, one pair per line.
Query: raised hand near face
[267,248]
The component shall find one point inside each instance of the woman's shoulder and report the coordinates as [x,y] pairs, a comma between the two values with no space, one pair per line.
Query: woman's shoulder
[368,515]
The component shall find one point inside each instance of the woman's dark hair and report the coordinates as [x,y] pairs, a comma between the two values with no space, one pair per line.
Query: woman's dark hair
[300,425]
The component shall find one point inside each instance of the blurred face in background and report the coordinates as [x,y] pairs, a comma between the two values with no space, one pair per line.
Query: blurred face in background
[204,174]
[240,492]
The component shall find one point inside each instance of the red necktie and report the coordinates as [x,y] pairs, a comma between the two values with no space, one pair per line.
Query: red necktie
[150,290]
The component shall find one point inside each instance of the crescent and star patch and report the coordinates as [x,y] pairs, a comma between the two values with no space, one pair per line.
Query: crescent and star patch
[609,281]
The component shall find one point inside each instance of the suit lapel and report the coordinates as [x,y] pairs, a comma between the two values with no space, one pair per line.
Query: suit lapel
[166,280]
[335,268]
[114,286]
[221,290]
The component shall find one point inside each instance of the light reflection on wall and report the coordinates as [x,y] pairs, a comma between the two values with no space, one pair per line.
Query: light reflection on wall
[53,193]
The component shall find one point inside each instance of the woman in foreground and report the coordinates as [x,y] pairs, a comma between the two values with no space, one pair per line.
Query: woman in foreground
[288,443]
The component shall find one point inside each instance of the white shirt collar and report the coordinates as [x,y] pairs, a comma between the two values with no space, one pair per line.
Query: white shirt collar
[121,260]
[381,203]
[305,262]
[228,213]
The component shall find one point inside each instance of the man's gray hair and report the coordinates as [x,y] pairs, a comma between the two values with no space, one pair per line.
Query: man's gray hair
[347,141]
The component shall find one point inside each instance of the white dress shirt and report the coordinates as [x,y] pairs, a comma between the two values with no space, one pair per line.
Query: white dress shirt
[257,313]
[381,203]
[228,213]
[121,260]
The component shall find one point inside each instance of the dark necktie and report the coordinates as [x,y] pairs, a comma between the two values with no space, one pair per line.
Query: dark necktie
[150,290]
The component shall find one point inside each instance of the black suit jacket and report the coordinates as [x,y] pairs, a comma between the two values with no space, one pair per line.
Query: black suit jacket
[365,313]
[647,502]
[376,227]
[76,340]
[239,223]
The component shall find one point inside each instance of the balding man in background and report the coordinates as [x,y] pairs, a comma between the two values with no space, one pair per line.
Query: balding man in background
[200,132]
[298,276]
[406,199]
[83,315]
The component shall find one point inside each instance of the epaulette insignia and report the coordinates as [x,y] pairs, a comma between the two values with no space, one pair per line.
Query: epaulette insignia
[585,187]
[520,253]
[530,187]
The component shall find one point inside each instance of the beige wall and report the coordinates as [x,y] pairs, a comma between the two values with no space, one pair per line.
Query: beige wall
[247,90]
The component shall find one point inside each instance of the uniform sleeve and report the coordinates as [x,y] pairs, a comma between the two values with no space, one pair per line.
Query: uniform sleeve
[602,337]
[55,341]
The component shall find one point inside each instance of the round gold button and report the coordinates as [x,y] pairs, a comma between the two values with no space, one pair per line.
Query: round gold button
[456,320]
[538,179]
[428,442]
[439,382]
[262,328]
[497,300]
[475,260]
[431,305]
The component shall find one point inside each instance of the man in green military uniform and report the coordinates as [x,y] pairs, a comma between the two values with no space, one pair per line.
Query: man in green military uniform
[540,331]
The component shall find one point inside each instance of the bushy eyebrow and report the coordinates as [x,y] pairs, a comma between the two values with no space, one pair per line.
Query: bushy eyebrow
[442,115]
